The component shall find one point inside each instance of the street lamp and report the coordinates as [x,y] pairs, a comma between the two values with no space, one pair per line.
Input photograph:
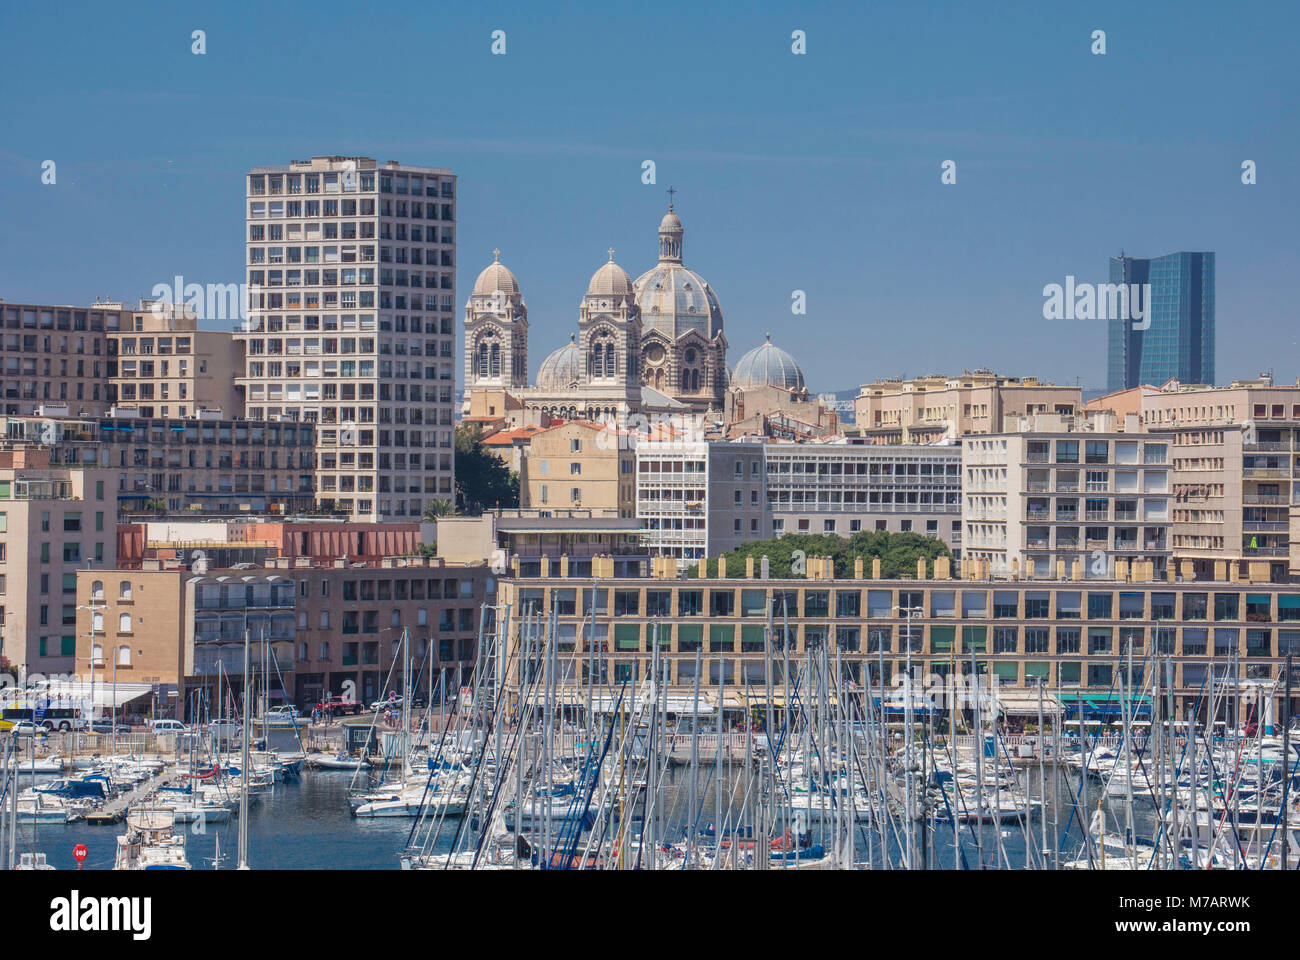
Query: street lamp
[98,609]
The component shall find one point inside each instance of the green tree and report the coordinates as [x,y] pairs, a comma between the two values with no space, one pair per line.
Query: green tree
[483,482]
[787,555]
[438,508]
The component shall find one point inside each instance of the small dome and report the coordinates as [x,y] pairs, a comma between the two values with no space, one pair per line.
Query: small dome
[611,280]
[671,223]
[496,279]
[562,369]
[768,366]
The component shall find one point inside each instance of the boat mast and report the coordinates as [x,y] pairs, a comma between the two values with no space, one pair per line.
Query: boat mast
[243,769]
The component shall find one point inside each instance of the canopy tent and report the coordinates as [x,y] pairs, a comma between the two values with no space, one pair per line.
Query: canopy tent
[1024,703]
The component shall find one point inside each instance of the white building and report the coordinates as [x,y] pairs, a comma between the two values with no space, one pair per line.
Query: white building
[1066,489]
[700,499]
[844,488]
[350,325]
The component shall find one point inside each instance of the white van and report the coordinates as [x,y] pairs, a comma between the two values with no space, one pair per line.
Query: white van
[168,726]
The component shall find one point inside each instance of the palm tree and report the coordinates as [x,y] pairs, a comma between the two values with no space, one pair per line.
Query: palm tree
[436,509]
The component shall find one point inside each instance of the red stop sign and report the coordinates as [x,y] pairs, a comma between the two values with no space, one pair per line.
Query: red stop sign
[79,853]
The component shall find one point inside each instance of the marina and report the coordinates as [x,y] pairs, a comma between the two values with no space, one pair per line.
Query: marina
[517,770]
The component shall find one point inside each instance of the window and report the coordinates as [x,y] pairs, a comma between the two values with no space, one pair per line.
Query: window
[124,590]
[124,655]
[124,623]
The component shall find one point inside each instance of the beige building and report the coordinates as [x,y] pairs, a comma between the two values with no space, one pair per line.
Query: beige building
[1063,490]
[329,626]
[1073,636]
[163,365]
[56,358]
[1236,475]
[352,277]
[54,521]
[932,408]
[579,464]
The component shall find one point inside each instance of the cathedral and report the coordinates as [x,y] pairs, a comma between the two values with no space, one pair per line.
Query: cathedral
[650,346]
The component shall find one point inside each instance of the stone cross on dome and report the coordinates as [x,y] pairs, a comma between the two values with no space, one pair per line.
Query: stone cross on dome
[610,251]
[672,191]
[496,256]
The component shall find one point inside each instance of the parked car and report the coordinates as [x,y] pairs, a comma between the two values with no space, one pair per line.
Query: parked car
[225,728]
[26,728]
[283,714]
[393,702]
[168,726]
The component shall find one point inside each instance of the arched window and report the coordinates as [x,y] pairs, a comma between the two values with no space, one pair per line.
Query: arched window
[686,379]
[124,590]
[124,623]
[695,379]
[482,360]
[609,361]
[494,368]
[97,590]
[97,655]
[124,655]
[97,622]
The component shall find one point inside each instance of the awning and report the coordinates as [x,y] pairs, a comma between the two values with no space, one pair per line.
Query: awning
[1025,703]
[106,694]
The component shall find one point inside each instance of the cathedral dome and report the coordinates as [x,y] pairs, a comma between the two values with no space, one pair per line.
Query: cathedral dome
[673,299]
[496,279]
[562,369]
[768,366]
[611,280]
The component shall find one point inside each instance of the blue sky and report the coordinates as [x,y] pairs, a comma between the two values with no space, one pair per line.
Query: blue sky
[818,172]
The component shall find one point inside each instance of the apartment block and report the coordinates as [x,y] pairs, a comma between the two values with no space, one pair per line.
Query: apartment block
[316,627]
[197,465]
[579,464]
[53,521]
[844,488]
[936,407]
[1236,458]
[699,499]
[56,357]
[163,365]
[351,274]
[1062,490]
[1073,637]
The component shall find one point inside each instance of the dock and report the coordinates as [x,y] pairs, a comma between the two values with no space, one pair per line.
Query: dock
[115,810]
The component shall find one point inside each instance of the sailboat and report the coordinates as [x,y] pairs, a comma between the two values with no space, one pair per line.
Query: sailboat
[150,843]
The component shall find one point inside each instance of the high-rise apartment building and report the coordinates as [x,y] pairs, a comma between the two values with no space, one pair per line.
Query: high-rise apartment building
[1175,337]
[352,286]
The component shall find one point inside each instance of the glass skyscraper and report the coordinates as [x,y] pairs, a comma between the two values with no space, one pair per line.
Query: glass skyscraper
[1179,343]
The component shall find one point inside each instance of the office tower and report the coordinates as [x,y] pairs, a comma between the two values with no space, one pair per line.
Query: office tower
[1178,342]
[351,276]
